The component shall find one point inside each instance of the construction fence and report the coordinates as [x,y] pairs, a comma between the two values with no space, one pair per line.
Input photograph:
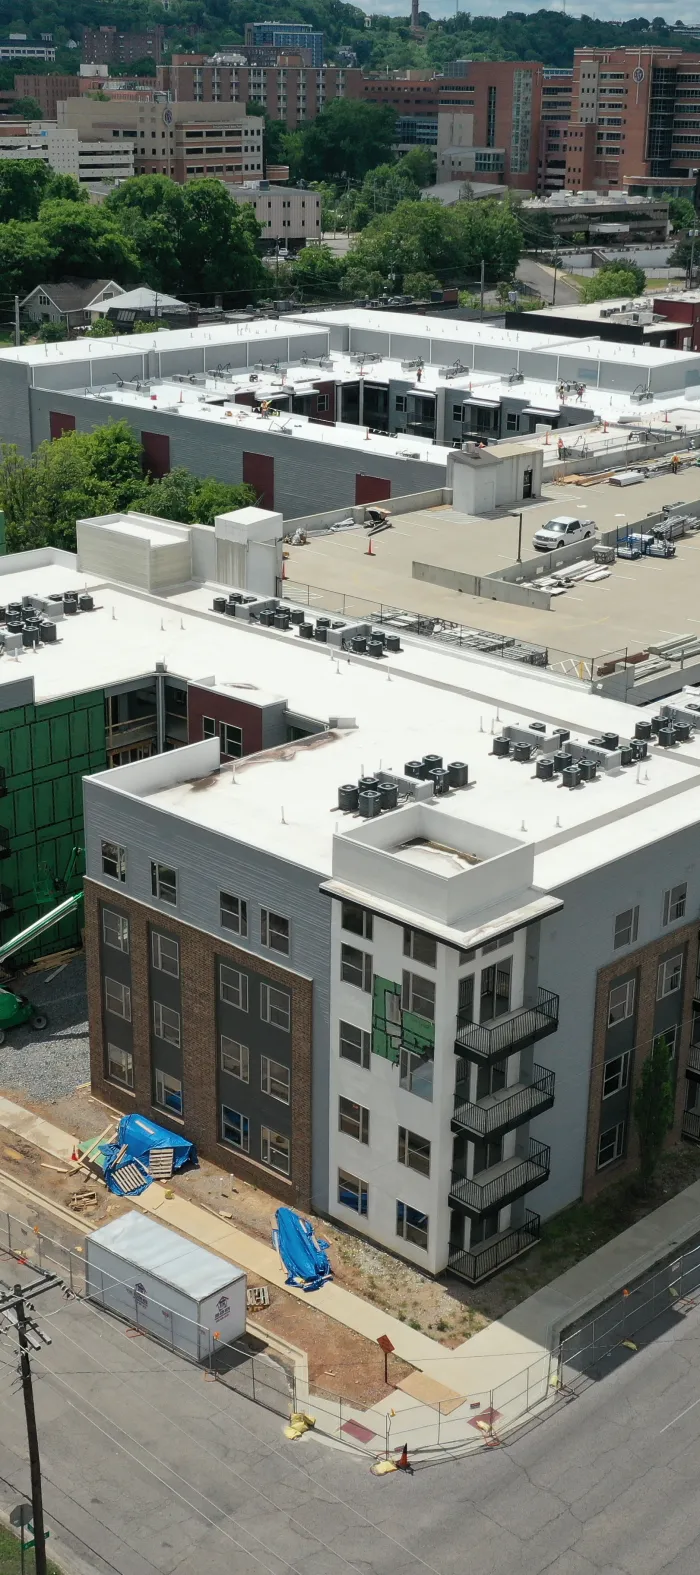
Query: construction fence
[651,1306]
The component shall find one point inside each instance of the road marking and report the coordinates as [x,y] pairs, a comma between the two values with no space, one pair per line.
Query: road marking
[680,1414]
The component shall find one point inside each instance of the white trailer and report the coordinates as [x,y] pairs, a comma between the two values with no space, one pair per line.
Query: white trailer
[167,1285]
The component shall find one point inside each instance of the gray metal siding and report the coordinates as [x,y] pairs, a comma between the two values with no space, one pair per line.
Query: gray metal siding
[207,863]
[14,406]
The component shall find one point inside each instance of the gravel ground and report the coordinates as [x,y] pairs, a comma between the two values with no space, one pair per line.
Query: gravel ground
[50,1063]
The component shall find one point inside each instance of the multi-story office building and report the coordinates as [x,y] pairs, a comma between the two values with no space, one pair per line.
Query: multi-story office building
[115,48]
[91,163]
[635,120]
[285,213]
[555,115]
[180,140]
[287,35]
[289,91]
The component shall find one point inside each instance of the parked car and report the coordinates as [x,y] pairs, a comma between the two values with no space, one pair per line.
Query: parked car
[562,530]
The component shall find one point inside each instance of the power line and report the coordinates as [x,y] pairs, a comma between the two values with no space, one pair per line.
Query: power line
[13,1311]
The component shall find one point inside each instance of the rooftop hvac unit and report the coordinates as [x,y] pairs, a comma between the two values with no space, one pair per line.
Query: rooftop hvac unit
[366,355]
[641,396]
[408,366]
[545,768]
[501,746]
[455,370]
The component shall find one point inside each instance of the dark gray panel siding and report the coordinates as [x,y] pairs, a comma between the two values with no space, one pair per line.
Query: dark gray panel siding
[15,424]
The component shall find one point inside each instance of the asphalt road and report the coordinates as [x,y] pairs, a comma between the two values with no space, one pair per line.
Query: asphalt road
[542,280]
[149,1467]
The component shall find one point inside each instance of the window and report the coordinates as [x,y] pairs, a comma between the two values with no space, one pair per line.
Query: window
[416,1073]
[670,1035]
[169,1092]
[208,727]
[235,1059]
[274,931]
[418,995]
[353,1193]
[114,861]
[674,903]
[495,990]
[353,1120]
[355,1045]
[401,404]
[620,1002]
[166,1023]
[274,1079]
[231,740]
[275,1006]
[511,421]
[467,957]
[412,1225]
[115,930]
[234,914]
[165,952]
[414,1151]
[322,403]
[669,976]
[235,1129]
[356,919]
[120,1066]
[164,882]
[356,968]
[118,999]
[457,413]
[275,1150]
[422,948]
[611,1144]
[233,987]
[616,1074]
[626,927]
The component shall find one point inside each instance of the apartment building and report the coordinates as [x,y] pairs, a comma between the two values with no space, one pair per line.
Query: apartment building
[19,47]
[287,35]
[179,140]
[116,48]
[289,91]
[635,120]
[286,213]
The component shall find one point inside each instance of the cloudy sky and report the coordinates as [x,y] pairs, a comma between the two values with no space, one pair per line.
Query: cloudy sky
[672,10]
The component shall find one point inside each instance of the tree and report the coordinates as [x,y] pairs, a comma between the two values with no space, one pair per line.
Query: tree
[23,183]
[192,238]
[102,328]
[653,1109]
[52,332]
[315,272]
[86,242]
[26,257]
[274,133]
[419,165]
[682,214]
[420,285]
[448,243]
[347,139]
[609,283]
[27,109]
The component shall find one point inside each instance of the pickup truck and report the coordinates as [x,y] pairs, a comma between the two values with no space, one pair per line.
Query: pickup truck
[562,530]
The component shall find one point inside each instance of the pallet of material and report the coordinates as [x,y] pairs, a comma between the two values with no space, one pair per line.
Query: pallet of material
[160,1163]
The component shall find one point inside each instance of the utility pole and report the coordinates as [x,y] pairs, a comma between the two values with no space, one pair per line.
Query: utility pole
[32,1439]
[481,291]
[17,320]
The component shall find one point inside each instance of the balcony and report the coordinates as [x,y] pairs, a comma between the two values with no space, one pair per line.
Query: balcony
[500,1112]
[477,1264]
[693,1062]
[487,1042]
[501,1183]
[691,1125]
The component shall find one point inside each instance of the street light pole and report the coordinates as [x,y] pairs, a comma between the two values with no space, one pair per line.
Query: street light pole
[557,264]
[693,235]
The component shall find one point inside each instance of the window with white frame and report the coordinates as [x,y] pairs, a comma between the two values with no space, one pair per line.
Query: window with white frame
[620,1002]
[611,1145]
[164,882]
[616,1074]
[166,1023]
[275,1007]
[114,861]
[115,930]
[120,1066]
[353,1120]
[275,1150]
[235,1129]
[669,976]
[422,948]
[411,1225]
[235,1058]
[274,1079]
[414,1151]
[674,903]
[233,986]
[669,1036]
[355,1044]
[356,967]
[234,913]
[118,999]
[274,931]
[165,954]
[353,1193]
[418,995]
[168,1092]
[626,927]
[356,919]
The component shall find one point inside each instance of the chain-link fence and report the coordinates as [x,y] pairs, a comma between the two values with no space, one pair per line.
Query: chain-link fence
[661,1296]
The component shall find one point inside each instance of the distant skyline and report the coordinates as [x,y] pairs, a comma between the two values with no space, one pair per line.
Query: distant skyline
[617,10]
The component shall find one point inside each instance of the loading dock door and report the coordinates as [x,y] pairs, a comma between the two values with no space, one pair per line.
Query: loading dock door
[156,453]
[371,489]
[259,472]
[58,424]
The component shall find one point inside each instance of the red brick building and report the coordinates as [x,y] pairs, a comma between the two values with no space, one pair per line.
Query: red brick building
[107,46]
[288,91]
[635,120]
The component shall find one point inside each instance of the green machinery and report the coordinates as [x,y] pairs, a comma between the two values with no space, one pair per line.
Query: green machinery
[17,1009]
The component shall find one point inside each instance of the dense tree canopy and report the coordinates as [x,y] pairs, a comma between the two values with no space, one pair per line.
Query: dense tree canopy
[617,278]
[347,139]
[189,238]
[427,238]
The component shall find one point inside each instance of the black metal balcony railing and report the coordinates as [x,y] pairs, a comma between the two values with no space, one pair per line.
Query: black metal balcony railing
[504,1110]
[490,1189]
[477,1264]
[493,1041]
[691,1125]
[693,1062]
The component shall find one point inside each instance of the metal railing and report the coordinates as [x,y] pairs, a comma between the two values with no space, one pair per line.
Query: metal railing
[667,1291]
[493,1041]
[118,732]
[475,1266]
[690,1127]
[518,1177]
[504,1113]
[693,1062]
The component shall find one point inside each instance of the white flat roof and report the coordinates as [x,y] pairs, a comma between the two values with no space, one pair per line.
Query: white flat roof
[163,339]
[151,1247]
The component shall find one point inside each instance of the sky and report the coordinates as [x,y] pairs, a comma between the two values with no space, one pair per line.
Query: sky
[671,10]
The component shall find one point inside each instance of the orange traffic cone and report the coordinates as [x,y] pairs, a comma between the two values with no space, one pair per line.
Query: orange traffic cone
[402,1463]
[75,1156]
[370,550]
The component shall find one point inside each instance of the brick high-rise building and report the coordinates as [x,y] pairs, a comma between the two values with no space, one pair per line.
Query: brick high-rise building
[180,140]
[290,92]
[107,45]
[47,90]
[635,120]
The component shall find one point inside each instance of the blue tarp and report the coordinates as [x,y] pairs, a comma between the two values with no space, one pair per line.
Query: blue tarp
[140,1136]
[303,1254]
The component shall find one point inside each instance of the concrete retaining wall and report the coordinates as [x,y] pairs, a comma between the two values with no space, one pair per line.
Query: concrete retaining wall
[434,498]
[491,588]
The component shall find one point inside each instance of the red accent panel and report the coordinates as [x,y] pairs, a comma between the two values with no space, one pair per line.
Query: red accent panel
[205,702]
[156,453]
[371,489]
[259,472]
[325,416]
[58,424]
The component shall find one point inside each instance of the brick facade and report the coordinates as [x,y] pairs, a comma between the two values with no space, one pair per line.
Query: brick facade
[198,954]
[644,964]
